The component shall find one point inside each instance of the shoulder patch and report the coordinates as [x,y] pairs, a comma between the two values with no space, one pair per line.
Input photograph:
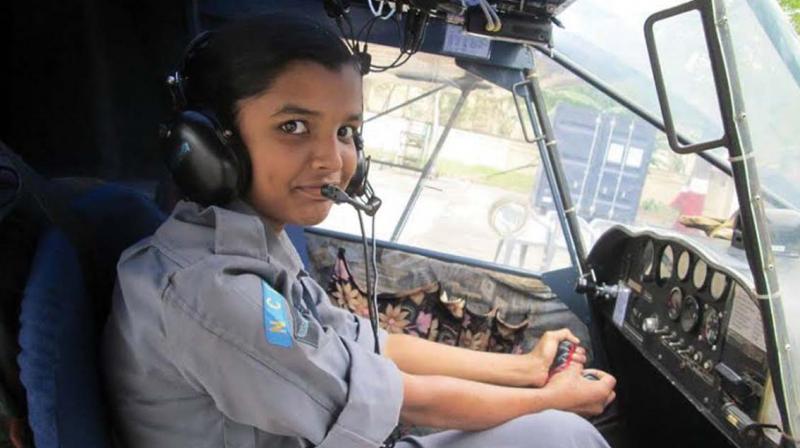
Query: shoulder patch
[277,328]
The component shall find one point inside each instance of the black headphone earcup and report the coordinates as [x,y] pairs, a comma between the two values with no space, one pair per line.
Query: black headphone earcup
[201,162]
[358,183]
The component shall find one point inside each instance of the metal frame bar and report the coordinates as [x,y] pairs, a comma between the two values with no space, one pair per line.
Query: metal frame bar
[737,140]
[625,152]
[658,75]
[544,137]
[607,90]
[466,88]
[592,147]
[408,102]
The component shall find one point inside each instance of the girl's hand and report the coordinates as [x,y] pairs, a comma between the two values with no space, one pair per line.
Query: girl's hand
[544,353]
[571,391]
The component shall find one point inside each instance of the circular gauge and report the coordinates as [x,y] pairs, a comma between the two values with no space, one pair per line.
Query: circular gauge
[711,324]
[690,314]
[647,258]
[719,284]
[674,303]
[699,275]
[667,262]
[684,261]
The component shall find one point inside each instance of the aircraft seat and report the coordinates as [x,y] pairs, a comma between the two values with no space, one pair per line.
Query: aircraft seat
[63,311]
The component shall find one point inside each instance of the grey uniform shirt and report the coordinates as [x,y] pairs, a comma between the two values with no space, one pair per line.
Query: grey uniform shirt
[218,338]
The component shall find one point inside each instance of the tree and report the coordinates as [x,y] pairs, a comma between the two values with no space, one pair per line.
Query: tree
[792,8]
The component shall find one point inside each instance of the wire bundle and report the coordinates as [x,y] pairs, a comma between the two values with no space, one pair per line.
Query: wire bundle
[410,36]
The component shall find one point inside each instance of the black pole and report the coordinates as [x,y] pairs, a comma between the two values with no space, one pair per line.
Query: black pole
[551,161]
[406,103]
[466,89]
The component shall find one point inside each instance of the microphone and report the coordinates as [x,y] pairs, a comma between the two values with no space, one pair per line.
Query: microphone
[339,196]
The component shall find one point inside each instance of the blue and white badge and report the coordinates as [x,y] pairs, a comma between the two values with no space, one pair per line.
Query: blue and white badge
[277,328]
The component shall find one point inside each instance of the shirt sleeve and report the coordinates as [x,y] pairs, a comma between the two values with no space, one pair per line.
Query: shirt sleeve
[266,363]
[342,321]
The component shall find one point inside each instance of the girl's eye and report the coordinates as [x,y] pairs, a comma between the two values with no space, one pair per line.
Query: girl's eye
[346,132]
[294,127]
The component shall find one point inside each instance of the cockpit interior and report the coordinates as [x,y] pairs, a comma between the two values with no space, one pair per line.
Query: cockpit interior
[627,170]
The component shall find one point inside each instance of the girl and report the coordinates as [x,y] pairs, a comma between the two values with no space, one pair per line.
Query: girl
[218,337]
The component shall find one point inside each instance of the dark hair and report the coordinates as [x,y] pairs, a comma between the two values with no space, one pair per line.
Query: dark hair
[243,58]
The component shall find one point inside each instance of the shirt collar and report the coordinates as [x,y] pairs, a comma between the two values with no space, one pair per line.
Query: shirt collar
[277,244]
[238,230]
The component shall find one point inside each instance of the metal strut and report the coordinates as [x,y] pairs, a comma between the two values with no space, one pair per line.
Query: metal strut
[737,140]
[466,88]
[545,140]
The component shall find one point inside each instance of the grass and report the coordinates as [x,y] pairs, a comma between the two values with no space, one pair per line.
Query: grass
[520,181]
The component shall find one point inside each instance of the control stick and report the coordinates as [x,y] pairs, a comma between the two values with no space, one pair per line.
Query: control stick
[564,355]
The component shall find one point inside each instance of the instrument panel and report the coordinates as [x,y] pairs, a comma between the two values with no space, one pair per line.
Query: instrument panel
[694,318]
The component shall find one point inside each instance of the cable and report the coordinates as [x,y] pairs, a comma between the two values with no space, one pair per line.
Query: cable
[490,25]
[374,267]
[379,12]
[493,22]
[371,304]
[348,38]
[359,42]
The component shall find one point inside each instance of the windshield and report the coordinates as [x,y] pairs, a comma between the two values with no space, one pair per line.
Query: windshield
[767,55]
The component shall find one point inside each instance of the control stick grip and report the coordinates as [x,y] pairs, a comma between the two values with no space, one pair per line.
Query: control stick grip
[564,355]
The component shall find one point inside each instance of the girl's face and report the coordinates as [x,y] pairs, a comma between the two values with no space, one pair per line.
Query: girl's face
[299,134]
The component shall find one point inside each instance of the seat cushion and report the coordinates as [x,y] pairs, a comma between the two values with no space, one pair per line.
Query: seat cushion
[62,315]
[58,361]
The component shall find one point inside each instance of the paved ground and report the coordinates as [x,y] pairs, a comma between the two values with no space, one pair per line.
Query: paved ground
[450,216]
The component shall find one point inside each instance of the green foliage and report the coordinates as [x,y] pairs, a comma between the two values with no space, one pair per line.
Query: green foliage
[652,205]
[792,8]
[519,181]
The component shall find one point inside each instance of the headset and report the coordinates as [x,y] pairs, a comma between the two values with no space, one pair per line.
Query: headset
[207,160]
[210,164]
